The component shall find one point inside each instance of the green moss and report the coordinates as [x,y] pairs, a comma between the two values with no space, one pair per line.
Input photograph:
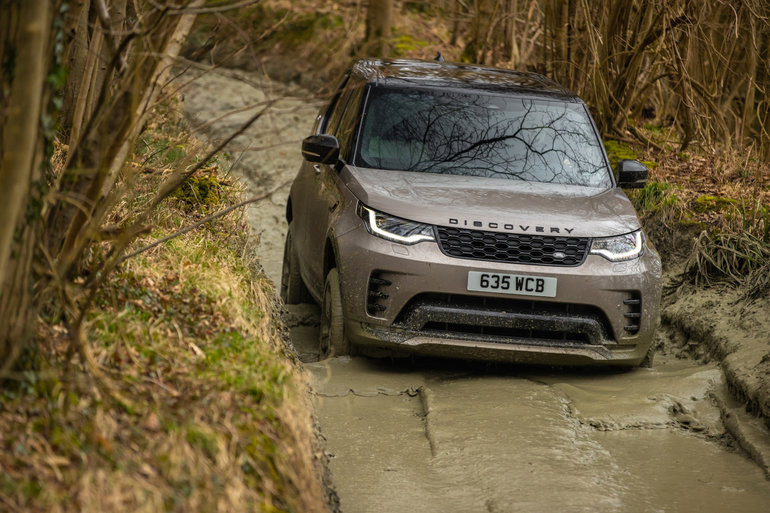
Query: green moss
[225,357]
[303,27]
[405,44]
[469,53]
[175,154]
[205,441]
[200,193]
[707,203]
[31,489]
[654,197]
[618,151]
[652,127]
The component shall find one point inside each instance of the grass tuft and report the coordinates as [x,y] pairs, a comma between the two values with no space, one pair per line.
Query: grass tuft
[740,259]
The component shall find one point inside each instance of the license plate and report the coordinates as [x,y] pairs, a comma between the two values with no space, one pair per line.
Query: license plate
[517,284]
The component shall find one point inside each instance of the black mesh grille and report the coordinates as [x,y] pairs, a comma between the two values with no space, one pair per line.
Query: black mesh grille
[512,247]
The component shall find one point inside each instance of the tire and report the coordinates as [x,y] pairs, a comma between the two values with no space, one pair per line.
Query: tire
[648,359]
[293,290]
[332,340]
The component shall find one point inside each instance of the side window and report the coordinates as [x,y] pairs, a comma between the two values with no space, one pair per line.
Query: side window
[349,123]
[323,122]
[336,114]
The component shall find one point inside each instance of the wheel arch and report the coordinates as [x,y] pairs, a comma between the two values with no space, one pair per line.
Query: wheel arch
[330,256]
[289,213]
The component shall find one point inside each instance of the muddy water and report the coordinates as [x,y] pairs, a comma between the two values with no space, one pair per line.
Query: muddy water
[443,436]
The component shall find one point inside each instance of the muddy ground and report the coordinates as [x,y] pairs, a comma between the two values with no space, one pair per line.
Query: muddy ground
[455,436]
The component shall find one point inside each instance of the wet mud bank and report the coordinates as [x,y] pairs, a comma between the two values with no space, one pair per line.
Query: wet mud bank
[265,157]
[720,325]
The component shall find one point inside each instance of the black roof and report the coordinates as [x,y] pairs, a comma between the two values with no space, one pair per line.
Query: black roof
[461,76]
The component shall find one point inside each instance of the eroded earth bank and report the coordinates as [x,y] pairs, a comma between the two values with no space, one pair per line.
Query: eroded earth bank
[449,436]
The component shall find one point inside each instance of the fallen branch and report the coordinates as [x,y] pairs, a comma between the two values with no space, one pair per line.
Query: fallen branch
[202,222]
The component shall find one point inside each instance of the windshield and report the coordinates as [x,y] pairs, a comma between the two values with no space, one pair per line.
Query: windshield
[449,132]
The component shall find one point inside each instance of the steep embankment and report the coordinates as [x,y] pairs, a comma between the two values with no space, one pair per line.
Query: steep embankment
[197,405]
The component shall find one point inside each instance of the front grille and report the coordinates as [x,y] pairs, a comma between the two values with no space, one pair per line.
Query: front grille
[512,247]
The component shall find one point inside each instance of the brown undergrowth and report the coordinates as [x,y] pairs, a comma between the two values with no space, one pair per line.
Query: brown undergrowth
[209,408]
[709,212]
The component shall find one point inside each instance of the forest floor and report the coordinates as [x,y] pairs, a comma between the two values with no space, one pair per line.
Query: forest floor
[209,408]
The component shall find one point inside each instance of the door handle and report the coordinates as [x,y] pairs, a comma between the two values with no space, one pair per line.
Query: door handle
[317,169]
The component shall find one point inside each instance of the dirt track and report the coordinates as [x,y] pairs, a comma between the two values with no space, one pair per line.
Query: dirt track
[452,436]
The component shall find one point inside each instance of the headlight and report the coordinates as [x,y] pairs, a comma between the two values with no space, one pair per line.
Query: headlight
[394,228]
[620,248]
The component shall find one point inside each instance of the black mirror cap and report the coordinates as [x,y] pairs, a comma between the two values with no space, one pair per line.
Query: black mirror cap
[632,174]
[323,148]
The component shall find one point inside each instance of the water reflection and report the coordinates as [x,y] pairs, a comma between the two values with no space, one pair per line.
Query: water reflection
[488,135]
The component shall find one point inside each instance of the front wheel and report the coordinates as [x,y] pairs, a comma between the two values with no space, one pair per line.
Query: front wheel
[332,340]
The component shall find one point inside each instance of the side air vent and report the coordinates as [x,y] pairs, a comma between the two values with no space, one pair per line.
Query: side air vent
[633,312]
[377,293]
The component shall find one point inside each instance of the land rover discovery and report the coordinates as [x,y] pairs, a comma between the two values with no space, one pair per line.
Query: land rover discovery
[471,212]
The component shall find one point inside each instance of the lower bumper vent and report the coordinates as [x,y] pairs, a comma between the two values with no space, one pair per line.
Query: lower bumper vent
[504,320]
[633,313]
[377,293]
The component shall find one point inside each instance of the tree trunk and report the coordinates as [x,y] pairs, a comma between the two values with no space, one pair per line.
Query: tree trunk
[749,105]
[379,17]
[21,163]
[95,162]
[455,22]
[76,54]
[511,44]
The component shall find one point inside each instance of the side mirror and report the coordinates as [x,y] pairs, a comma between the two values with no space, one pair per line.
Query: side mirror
[632,174]
[323,148]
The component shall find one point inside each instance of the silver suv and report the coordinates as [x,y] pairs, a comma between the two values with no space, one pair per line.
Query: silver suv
[468,212]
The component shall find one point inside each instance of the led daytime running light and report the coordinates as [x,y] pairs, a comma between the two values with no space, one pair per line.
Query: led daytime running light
[370,218]
[603,247]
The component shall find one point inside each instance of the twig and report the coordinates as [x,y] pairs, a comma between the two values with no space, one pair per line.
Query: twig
[213,9]
[644,139]
[202,222]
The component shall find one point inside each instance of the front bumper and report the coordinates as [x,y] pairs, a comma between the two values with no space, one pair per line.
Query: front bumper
[402,299]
